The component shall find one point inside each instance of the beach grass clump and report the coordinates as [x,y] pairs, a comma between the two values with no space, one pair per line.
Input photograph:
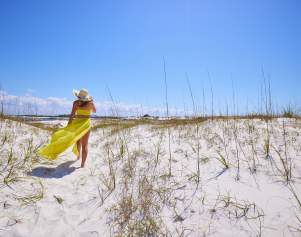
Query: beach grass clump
[289,112]
[31,196]
[137,213]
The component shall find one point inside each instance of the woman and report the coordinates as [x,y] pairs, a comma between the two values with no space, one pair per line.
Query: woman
[76,132]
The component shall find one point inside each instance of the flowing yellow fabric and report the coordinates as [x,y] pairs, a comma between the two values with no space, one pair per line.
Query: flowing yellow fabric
[63,138]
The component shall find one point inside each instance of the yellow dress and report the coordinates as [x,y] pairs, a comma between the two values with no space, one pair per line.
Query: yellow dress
[65,137]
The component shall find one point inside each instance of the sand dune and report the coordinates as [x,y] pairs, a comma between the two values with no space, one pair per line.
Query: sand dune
[214,178]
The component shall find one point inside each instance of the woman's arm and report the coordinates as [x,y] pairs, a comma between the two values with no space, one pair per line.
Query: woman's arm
[93,106]
[72,112]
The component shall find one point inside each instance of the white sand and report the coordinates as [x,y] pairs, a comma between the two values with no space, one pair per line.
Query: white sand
[64,200]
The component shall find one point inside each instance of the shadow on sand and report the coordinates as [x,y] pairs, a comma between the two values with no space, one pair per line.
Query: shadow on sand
[56,172]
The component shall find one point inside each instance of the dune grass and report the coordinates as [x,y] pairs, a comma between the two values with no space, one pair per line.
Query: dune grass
[136,171]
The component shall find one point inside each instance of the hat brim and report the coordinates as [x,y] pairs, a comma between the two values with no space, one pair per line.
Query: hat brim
[76,94]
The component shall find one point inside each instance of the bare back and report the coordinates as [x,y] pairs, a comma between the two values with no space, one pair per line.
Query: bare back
[89,105]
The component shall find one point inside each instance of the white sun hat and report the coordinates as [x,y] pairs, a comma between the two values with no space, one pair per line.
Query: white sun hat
[82,94]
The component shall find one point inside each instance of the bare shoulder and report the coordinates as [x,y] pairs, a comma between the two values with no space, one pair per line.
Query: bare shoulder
[92,107]
[91,104]
[75,103]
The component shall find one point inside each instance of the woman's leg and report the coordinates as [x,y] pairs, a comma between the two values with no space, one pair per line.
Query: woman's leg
[79,146]
[84,144]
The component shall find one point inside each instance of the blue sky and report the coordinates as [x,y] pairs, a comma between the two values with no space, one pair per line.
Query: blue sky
[50,47]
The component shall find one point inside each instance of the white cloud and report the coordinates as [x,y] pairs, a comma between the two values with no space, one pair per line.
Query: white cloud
[28,104]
